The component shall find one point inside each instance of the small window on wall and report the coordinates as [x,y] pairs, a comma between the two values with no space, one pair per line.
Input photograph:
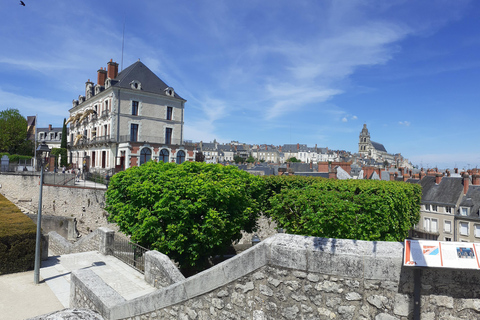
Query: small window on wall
[169,113]
[477,230]
[447,226]
[464,228]
[180,157]
[434,208]
[163,155]
[426,224]
[168,136]
[448,209]
[427,207]
[145,155]
[134,108]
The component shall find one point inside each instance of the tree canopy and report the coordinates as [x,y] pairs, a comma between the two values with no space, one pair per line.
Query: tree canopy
[13,133]
[189,211]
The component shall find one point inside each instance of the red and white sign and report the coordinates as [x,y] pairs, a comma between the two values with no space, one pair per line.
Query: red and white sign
[441,254]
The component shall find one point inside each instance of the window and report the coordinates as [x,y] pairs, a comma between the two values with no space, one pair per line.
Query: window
[427,207]
[448,239]
[164,155]
[145,155]
[134,108]
[447,226]
[477,230]
[168,136]
[448,209]
[169,113]
[180,157]
[464,211]
[434,226]
[426,224]
[106,105]
[434,208]
[464,228]
[133,132]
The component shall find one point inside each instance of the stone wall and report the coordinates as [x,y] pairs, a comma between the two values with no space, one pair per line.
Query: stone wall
[84,204]
[58,245]
[296,277]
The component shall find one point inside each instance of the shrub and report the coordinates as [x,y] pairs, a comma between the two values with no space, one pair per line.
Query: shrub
[189,211]
[17,239]
[349,209]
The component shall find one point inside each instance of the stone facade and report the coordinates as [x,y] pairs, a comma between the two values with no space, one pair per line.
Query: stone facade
[296,277]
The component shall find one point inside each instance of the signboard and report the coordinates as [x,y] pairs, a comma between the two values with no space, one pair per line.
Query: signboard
[441,254]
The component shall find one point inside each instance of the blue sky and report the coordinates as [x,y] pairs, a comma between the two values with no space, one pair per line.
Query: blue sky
[274,72]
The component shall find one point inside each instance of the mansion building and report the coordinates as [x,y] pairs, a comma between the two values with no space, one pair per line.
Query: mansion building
[125,120]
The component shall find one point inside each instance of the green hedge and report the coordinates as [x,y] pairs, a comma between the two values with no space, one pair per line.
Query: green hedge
[348,209]
[17,239]
[190,211]
[14,158]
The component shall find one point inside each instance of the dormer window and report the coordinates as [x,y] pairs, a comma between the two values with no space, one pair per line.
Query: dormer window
[136,85]
[170,92]
[108,83]
[464,211]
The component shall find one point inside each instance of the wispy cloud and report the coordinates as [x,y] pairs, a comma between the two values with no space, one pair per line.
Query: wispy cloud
[404,123]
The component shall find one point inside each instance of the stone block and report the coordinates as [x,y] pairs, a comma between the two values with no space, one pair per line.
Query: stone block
[107,238]
[205,281]
[289,251]
[247,261]
[335,264]
[160,270]
[382,268]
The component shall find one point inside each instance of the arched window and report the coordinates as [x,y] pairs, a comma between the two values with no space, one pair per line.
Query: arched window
[164,155]
[180,157]
[145,155]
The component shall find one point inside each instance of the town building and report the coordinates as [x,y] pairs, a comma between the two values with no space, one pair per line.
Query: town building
[127,119]
[372,149]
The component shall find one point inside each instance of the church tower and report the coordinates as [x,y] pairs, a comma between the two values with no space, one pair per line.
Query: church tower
[364,141]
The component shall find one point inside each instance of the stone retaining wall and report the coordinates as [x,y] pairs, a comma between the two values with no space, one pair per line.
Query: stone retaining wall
[100,240]
[296,277]
[84,204]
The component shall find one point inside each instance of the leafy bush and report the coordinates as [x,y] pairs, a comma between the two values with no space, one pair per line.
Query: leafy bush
[15,158]
[189,211]
[349,209]
[17,239]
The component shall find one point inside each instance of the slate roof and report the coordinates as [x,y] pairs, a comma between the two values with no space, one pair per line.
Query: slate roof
[312,174]
[140,72]
[472,200]
[447,192]
[378,146]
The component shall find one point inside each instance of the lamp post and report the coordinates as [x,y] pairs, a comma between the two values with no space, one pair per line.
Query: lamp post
[42,154]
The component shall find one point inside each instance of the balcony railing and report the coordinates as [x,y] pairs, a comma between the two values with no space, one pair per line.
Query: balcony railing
[124,138]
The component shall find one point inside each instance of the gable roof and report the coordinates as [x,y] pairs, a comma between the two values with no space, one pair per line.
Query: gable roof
[472,200]
[447,192]
[140,72]
[378,146]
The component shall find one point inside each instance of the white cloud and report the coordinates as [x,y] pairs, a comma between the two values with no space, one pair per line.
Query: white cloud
[344,119]
[404,123]
[354,118]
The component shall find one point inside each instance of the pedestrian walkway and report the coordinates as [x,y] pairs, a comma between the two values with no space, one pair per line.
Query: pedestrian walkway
[128,282]
[20,298]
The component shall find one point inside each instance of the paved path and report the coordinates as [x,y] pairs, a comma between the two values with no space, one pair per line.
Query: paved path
[20,298]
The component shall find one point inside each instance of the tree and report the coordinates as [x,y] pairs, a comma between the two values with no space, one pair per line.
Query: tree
[250,159]
[293,159]
[238,159]
[190,211]
[199,157]
[63,145]
[13,132]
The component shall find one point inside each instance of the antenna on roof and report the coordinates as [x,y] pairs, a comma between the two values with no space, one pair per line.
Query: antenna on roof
[123,42]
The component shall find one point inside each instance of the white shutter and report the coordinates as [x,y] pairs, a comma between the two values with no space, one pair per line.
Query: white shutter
[448,226]
[426,224]
[477,230]
[464,228]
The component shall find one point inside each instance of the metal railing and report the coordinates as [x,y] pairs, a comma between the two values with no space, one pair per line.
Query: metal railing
[130,253]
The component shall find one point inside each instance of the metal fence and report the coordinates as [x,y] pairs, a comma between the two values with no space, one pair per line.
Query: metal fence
[130,253]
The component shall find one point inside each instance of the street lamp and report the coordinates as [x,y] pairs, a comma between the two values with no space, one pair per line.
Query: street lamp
[42,155]
[255,239]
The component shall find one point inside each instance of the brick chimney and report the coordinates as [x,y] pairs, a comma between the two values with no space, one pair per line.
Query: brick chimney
[101,77]
[455,170]
[332,173]
[112,71]
[448,173]
[438,178]
[421,174]
[476,179]
[392,176]
[49,127]
[406,176]
[322,166]
[466,182]
[298,146]
[401,170]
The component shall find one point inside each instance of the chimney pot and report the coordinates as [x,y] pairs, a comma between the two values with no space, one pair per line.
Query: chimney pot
[438,178]
[466,182]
